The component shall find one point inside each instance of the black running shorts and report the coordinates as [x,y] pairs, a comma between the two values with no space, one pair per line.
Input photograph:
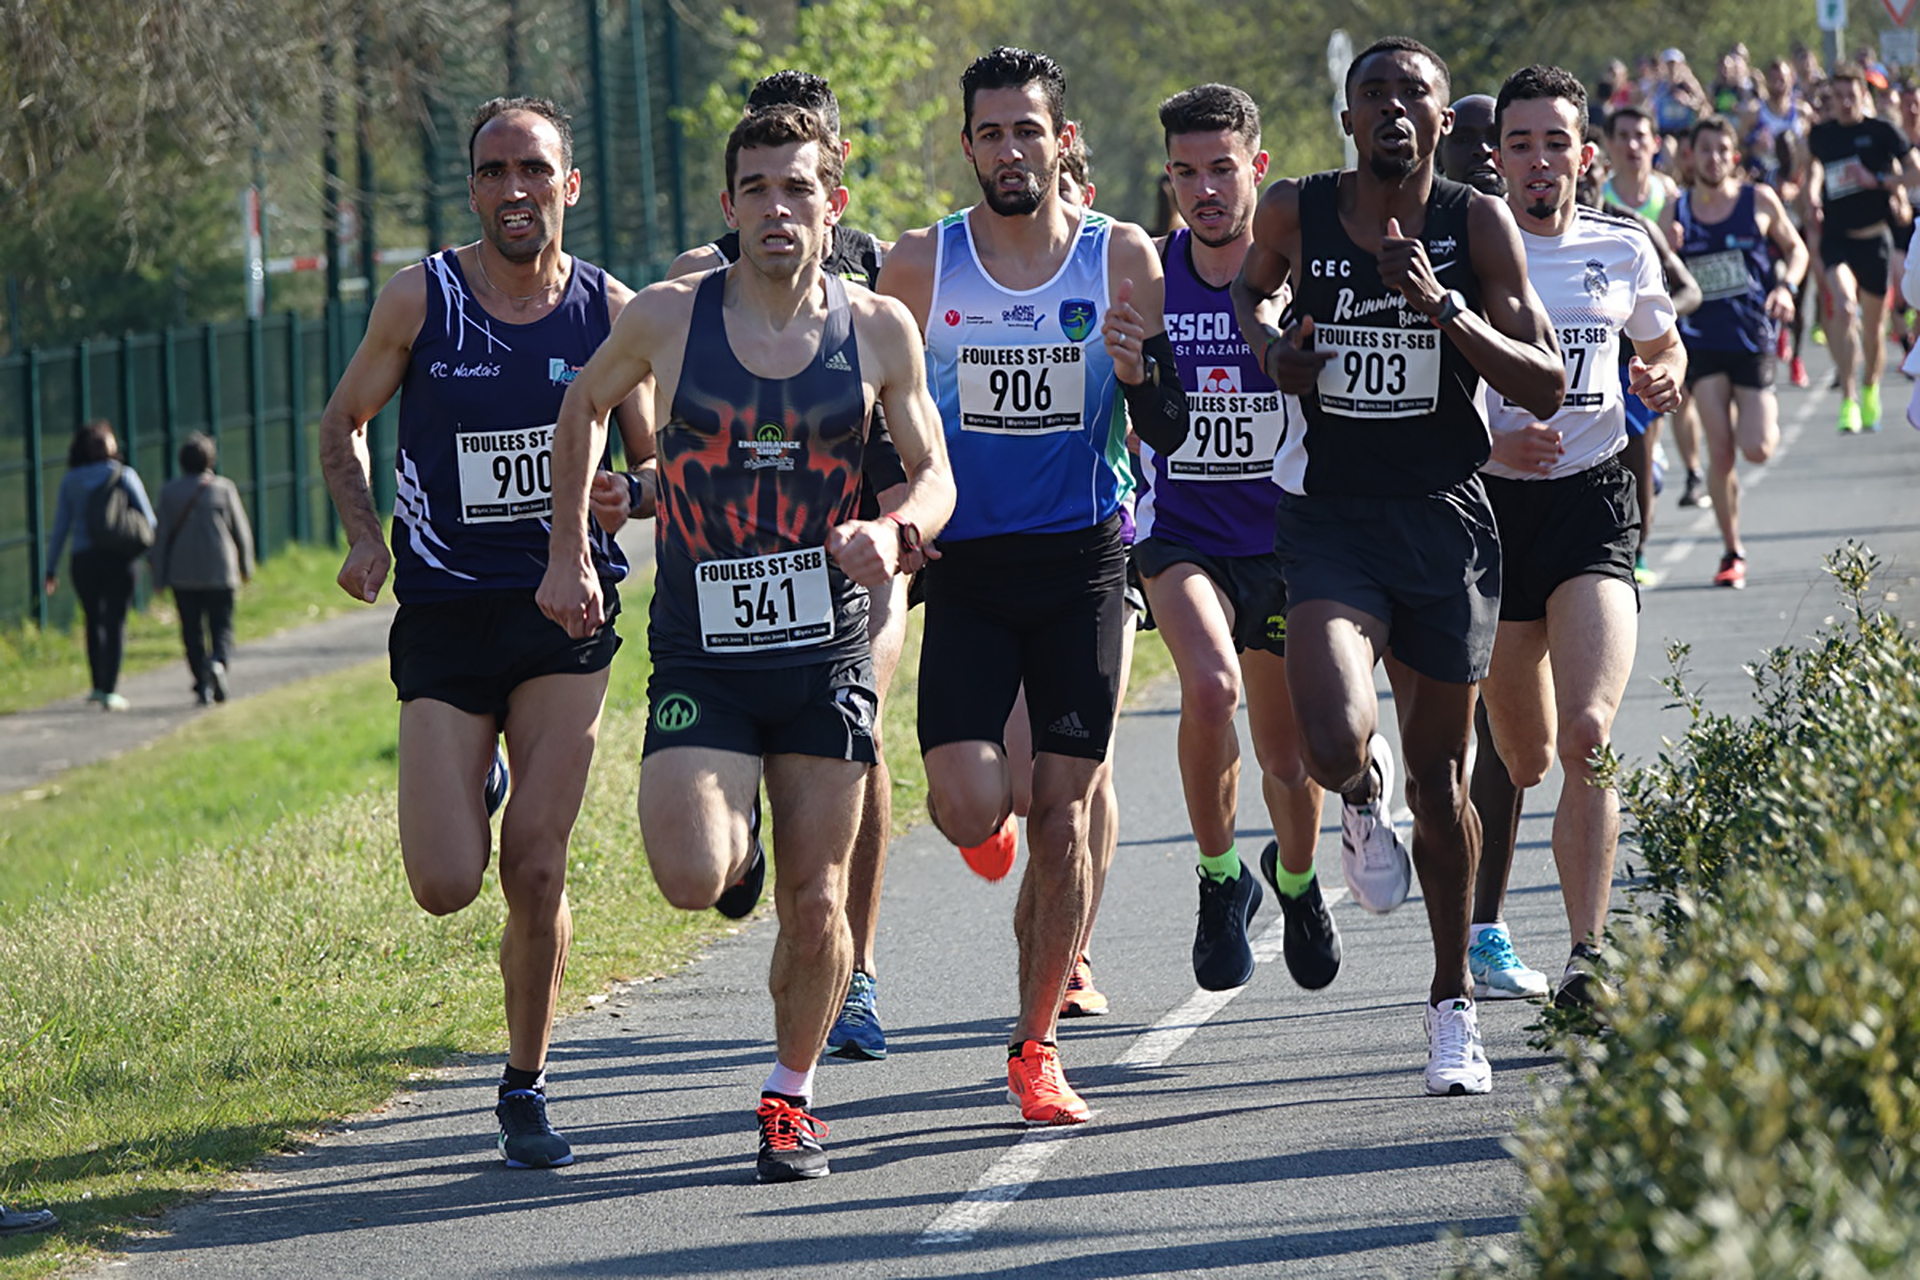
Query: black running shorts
[1552,531]
[1252,585]
[472,652]
[1743,368]
[1043,608]
[1870,257]
[1428,567]
[823,709]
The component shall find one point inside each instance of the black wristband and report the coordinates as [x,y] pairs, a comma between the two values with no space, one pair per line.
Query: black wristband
[636,492]
[1158,407]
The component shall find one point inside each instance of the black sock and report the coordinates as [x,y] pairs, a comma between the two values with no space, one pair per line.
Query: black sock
[514,1078]
[1015,1050]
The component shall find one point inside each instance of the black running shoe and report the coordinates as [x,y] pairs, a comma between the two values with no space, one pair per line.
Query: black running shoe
[1312,941]
[1581,986]
[496,788]
[527,1141]
[1222,956]
[790,1148]
[739,899]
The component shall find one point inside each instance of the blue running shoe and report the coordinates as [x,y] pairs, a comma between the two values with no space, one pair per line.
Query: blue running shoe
[527,1141]
[1498,973]
[496,790]
[856,1033]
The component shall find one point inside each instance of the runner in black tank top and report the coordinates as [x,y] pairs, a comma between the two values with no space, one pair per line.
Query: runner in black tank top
[1406,286]
[766,374]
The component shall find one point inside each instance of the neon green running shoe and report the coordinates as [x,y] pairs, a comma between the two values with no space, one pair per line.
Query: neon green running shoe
[1849,417]
[1870,406]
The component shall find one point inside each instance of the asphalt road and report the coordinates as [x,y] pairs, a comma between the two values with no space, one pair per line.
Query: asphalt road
[1270,1132]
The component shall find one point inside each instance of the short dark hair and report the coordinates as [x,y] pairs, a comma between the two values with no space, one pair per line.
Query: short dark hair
[91,441]
[1626,113]
[1850,73]
[1713,124]
[545,108]
[1010,68]
[796,89]
[1209,108]
[197,453]
[1077,160]
[1538,81]
[1400,44]
[778,126]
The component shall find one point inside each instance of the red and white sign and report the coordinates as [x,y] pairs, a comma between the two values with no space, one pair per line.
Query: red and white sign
[1898,10]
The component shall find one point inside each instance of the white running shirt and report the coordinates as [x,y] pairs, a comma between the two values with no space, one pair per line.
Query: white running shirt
[1597,280]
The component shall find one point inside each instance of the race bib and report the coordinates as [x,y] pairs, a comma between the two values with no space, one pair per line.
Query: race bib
[1592,353]
[505,475]
[1720,275]
[1378,373]
[781,601]
[1849,177]
[1022,391]
[1231,435]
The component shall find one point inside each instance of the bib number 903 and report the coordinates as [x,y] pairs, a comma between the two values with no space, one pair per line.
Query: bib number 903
[1374,373]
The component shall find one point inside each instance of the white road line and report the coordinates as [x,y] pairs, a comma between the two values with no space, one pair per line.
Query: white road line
[1009,1176]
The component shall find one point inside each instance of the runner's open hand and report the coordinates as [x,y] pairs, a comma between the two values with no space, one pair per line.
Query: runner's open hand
[1292,362]
[1403,265]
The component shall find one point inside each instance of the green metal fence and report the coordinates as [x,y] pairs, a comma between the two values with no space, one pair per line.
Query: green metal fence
[256,386]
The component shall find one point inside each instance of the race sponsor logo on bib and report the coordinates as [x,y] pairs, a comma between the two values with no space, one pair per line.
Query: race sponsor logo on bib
[1720,275]
[505,475]
[759,603]
[1022,390]
[1232,434]
[1378,372]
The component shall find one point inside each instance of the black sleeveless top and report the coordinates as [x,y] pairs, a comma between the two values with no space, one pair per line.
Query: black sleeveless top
[1397,412]
[753,473]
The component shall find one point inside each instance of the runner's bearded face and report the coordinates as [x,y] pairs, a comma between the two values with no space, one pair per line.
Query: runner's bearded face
[1542,156]
[520,186]
[1015,150]
[1216,181]
[1396,113]
[782,209]
[1714,157]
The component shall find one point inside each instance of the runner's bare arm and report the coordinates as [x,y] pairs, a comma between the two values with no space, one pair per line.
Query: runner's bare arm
[1135,332]
[871,551]
[1258,294]
[907,274]
[372,376]
[694,261]
[1514,347]
[616,497]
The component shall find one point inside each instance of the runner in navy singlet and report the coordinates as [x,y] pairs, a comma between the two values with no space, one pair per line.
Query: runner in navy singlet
[481,343]
[1409,290]
[766,374]
[1206,554]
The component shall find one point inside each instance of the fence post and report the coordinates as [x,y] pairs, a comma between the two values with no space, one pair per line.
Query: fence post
[210,367]
[602,144]
[257,411]
[170,395]
[36,496]
[300,519]
[643,102]
[83,379]
[129,410]
[675,151]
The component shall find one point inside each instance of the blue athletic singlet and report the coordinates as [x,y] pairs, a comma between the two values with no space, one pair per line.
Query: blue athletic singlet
[753,473]
[1026,389]
[473,480]
[1729,260]
[1216,493]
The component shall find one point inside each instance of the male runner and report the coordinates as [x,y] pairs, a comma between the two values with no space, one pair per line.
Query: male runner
[1039,317]
[852,255]
[1775,152]
[1635,187]
[1857,162]
[1723,227]
[1566,507]
[1410,289]
[765,372]
[1205,552]
[481,342]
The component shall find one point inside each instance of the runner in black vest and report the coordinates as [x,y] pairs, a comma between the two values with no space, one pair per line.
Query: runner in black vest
[1409,290]
[481,342]
[765,376]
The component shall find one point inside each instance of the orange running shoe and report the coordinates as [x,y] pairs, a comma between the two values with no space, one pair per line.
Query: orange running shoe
[1035,1082]
[994,859]
[1081,1000]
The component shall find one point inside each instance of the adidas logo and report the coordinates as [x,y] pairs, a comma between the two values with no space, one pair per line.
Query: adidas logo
[1069,726]
[838,362]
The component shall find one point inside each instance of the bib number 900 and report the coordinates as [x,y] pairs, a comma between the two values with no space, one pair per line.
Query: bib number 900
[522,475]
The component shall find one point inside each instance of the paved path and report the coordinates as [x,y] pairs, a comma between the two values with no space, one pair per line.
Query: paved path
[1267,1132]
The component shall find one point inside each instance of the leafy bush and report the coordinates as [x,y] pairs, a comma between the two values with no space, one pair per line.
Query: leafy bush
[1753,1109]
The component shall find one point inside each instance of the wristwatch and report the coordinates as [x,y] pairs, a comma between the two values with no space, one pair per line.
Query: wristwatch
[909,536]
[1450,306]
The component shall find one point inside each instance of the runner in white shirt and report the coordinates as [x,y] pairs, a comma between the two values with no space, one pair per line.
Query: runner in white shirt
[1566,506]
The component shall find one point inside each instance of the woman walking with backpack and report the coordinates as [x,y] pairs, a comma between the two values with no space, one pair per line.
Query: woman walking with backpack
[204,551]
[104,507]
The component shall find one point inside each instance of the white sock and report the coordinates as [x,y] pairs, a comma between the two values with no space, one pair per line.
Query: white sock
[1474,931]
[793,1084]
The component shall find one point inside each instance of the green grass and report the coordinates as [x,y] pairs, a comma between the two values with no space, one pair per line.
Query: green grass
[293,588]
[222,956]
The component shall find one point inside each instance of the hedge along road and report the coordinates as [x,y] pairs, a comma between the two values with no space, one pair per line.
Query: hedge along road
[1273,1132]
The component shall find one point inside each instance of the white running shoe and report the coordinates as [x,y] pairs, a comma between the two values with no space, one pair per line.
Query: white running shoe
[1456,1064]
[1379,873]
[1497,972]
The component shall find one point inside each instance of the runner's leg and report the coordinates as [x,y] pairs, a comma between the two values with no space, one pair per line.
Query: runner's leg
[1436,721]
[816,810]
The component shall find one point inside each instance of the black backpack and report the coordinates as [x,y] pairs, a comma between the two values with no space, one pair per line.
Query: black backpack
[114,522]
